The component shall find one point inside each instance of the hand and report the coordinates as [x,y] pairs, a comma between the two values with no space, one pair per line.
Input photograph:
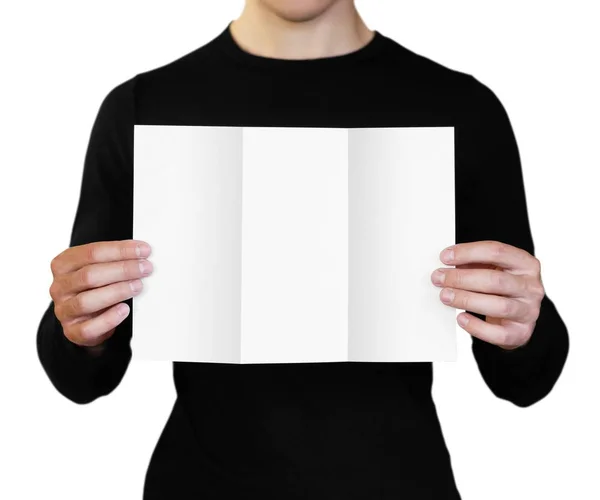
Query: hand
[90,284]
[497,280]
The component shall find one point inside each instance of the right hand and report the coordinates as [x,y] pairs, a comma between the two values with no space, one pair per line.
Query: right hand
[90,284]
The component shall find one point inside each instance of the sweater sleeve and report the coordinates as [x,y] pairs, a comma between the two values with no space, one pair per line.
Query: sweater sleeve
[104,213]
[494,208]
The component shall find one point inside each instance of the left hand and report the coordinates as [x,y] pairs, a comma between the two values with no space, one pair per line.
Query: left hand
[497,280]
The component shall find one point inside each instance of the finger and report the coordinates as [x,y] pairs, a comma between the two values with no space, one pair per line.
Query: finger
[481,303]
[508,336]
[97,275]
[490,252]
[93,331]
[100,251]
[94,300]
[488,332]
[481,280]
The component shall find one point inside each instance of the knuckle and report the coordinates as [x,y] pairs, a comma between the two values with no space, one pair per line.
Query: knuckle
[125,250]
[127,268]
[81,332]
[523,288]
[114,293]
[63,309]
[105,323]
[85,278]
[537,290]
[54,290]
[70,332]
[76,304]
[541,292]
[497,249]
[536,265]
[58,310]
[453,278]
[110,321]
[535,312]
[85,331]
[498,279]
[507,308]
[56,264]
[90,252]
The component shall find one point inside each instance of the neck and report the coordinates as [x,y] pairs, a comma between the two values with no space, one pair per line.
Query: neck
[336,31]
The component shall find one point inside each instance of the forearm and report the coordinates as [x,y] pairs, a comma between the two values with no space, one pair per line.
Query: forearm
[77,373]
[527,374]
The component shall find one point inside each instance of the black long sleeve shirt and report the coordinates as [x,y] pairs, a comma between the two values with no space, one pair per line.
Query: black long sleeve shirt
[307,430]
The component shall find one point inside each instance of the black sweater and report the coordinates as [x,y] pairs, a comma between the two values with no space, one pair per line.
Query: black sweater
[307,430]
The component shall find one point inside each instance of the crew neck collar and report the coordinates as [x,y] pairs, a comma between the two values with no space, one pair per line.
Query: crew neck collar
[227,43]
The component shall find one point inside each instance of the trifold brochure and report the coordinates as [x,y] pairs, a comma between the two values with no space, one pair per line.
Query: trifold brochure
[293,245]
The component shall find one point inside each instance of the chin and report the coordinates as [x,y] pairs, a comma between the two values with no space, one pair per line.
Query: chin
[298,11]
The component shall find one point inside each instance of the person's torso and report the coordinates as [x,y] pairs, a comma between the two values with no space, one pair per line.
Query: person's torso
[304,430]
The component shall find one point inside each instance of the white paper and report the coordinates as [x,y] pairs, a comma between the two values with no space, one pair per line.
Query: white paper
[292,245]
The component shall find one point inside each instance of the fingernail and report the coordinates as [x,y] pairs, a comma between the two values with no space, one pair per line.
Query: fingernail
[447,295]
[122,309]
[145,267]
[136,285]
[438,277]
[448,255]
[463,320]
[142,250]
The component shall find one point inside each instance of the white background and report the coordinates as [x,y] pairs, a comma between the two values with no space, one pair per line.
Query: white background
[59,59]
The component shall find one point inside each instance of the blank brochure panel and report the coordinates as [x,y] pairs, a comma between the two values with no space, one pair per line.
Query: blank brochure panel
[401,216]
[187,206]
[295,245]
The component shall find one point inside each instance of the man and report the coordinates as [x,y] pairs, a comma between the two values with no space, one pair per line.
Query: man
[306,430]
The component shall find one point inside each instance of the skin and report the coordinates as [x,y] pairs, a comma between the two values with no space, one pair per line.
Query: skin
[90,283]
[502,282]
[497,280]
[300,29]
